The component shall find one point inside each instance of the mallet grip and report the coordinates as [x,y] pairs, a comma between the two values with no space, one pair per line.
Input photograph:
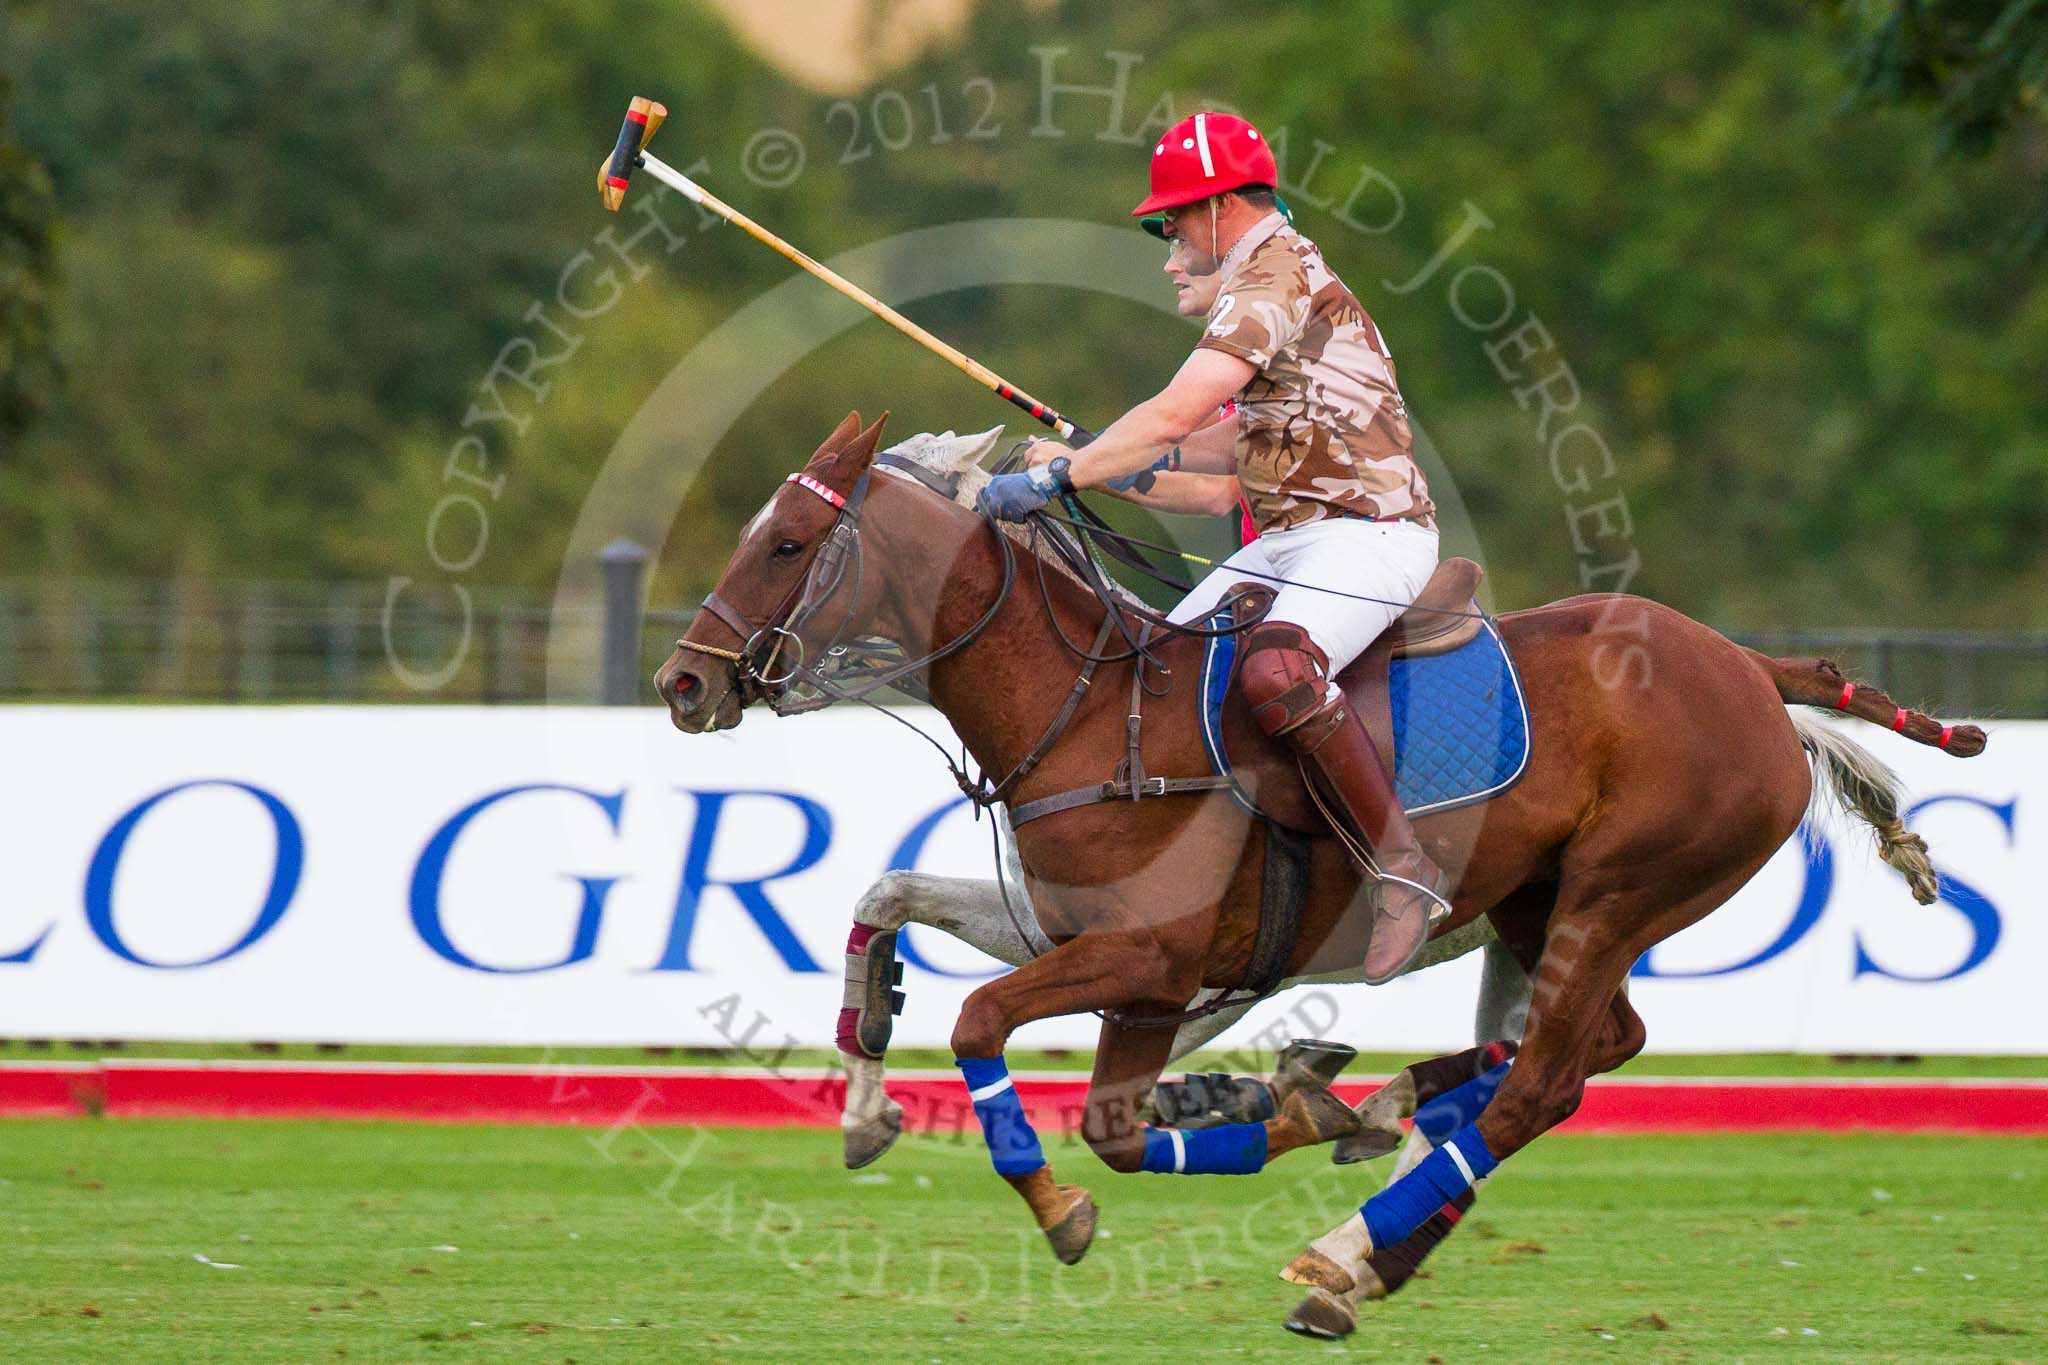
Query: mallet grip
[619,171]
[1073,433]
[643,116]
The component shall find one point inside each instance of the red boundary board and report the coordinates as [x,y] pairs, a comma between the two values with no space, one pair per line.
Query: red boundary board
[932,1101]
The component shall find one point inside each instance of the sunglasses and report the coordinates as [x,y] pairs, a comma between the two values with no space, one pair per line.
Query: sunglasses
[1155,223]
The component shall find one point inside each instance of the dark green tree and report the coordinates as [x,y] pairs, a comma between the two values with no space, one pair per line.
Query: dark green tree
[294,245]
[28,273]
[1979,65]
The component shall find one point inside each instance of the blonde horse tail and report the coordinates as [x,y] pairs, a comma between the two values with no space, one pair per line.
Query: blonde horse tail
[1858,781]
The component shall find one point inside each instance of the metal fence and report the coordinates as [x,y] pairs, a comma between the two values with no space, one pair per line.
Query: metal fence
[1977,674]
[217,641]
[257,642]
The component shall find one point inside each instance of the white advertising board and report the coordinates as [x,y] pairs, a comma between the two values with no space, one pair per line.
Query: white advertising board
[589,876]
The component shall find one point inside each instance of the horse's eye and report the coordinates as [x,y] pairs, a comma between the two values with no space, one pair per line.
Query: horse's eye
[788,549]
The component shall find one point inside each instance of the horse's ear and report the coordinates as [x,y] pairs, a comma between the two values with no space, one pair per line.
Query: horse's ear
[847,452]
[830,451]
[854,456]
[858,456]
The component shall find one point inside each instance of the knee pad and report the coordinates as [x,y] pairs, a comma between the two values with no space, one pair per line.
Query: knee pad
[1285,676]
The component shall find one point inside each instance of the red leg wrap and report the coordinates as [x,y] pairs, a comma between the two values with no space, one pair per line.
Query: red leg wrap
[847,1035]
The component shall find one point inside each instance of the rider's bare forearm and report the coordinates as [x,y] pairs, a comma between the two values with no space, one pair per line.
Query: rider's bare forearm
[1212,450]
[1132,442]
[1137,439]
[1194,495]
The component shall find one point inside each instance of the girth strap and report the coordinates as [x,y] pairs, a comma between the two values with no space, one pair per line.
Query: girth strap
[1283,894]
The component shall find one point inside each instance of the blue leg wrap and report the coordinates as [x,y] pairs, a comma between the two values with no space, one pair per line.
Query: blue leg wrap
[1012,1143]
[1392,1215]
[1455,1108]
[1234,1149]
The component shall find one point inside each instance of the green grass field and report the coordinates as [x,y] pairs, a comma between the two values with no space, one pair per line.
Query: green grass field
[375,1241]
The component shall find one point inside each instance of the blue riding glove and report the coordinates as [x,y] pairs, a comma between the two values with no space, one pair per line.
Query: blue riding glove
[1013,497]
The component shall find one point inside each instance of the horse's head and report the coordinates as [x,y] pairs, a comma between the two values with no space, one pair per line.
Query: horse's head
[789,591]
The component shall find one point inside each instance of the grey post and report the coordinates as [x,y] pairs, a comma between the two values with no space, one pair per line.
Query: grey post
[623,563]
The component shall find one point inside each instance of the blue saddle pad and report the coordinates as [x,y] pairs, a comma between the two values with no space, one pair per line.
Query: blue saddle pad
[1461,724]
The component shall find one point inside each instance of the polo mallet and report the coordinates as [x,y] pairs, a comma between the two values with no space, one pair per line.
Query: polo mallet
[644,116]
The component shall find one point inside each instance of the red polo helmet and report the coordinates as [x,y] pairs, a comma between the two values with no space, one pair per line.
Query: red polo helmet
[1204,155]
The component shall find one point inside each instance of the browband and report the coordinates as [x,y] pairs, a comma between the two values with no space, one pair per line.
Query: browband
[803,480]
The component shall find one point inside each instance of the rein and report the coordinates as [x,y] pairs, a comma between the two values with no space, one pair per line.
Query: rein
[756,659]
[1109,533]
[765,675]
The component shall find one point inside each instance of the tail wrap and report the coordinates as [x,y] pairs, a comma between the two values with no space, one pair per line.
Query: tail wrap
[1819,682]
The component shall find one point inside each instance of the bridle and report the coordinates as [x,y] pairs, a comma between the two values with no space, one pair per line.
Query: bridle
[764,675]
[758,658]
[791,686]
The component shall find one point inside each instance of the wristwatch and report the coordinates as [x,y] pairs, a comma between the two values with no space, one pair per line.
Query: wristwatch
[1058,471]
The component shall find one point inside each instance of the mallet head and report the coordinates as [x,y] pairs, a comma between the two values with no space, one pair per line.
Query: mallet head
[615,172]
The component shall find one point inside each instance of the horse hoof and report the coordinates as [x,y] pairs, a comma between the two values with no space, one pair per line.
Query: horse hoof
[868,1139]
[1371,1288]
[1367,1144]
[1074,1231]
[1392,1102]
[1310,1060]
[1379,1119]
[1319,1114]
[1324,1315]
[1317,1271]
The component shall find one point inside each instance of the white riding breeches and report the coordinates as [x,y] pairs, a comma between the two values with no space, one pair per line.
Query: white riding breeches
[1386,561]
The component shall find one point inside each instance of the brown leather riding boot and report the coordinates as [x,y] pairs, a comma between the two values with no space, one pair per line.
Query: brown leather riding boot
[1284,677]
[1339,756]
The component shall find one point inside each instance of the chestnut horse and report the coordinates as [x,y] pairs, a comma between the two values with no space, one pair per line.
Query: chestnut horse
[1665,770]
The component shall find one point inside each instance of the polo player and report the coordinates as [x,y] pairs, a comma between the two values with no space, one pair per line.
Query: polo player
[1323,454]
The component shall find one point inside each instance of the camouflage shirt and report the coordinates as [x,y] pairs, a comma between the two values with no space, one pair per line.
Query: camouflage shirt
[1322,430]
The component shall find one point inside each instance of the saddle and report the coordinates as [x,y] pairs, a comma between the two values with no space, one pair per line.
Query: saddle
[1438,694]
[1442,620]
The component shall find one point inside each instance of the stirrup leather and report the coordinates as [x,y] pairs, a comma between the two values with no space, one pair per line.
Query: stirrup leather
[1439,907]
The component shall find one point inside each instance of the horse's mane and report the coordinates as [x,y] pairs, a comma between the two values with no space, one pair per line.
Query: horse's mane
[952,456]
